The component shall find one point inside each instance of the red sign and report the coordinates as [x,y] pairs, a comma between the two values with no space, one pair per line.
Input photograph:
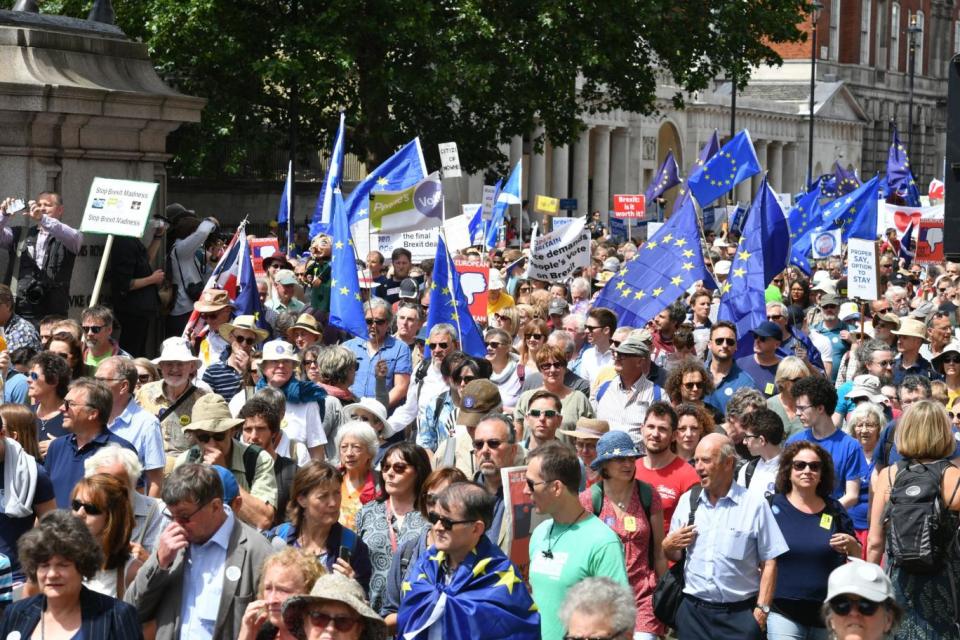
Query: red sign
[930,242]
[473,283]
[630,206]
[263,248]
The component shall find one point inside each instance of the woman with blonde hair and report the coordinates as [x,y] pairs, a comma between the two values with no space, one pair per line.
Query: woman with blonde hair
[287,573]
[783,404]
[19,423]
[533,335]
[507,319]
[925,440]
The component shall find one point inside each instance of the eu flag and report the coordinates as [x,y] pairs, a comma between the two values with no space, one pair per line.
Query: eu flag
[667,177]
[735,162]
[448,304]
[907,251]
[803,218]
[846,181]
[247,302]
[403,169]
[484,599]
[320,222]
[855,213]
[346,305]
[706,152]
[761,254]
[665,266]
[899,174]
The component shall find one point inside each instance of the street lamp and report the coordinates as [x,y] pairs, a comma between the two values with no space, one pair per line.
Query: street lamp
[815,8]
[912,31]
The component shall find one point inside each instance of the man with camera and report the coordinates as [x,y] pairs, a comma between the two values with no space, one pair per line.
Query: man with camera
[46,254]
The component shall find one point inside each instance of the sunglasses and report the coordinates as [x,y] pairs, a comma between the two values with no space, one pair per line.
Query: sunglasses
[242,340]
[775,318]
[535,336]
[446,524]
[204,437]
[551,365]
[91,509]
[730,342]
[206,315]
[547,413]
[309,362]
[143,378]
[593,328]
[800,465]
[886,363]
[946,360]
[439,345]
[465,379]
[494,344]
[531,484]
[34,376]
[397,467]
[493,443]
[431,499]
[95,329]
[67,404]
[376,321]
[340,623]
[689,386]
[843,605]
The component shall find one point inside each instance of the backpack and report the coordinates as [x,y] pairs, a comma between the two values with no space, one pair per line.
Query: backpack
[249,460]
[919,528]
[646,499]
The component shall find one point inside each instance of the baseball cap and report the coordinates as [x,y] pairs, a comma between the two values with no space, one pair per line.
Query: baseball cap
[409,289]
[634,345]
[285,276]
[768,329]
[611,264]
[859,578]
[558,307]
[829,299]
[479,398]
[230,488]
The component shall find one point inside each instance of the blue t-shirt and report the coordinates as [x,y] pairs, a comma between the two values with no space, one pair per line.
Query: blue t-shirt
[802,571]
[737,378]
[880,460]
[15,388]
[860,512]
[12,528]
[64,462]
[838,346]
[847,454]
[396,354]
[764,375]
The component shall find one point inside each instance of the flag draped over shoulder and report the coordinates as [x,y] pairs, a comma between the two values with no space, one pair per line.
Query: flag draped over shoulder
[761,254]
[735,162]
[663,269]
[448,304]
[899,174]
[346,305]
[320,222]
[485,600]
[667,177]
[417,207]
[403,169]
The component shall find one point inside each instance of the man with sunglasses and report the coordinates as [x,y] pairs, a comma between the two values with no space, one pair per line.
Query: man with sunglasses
[727,375]
[86,409]
[623,401]
[874,357]
[380,346]
[227,376]
[478,592]
[215,309]
[428,383]
[207,565]
[98,343]
[212,428]
[495,447]
[761,365]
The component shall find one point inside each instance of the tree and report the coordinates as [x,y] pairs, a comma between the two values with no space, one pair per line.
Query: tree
[474,71]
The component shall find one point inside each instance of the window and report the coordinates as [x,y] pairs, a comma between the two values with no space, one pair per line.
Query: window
[918,39]
[865,32]
[895,36]
[834,29]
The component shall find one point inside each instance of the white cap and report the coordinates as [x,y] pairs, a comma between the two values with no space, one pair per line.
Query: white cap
[721,267]
[496,281]
[176,349]
[859,578]
[279,350]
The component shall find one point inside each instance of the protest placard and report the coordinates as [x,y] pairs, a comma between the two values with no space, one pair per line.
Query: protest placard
[557,254]
[489,193]
[474,279]
[630,206]
[449,159]
[862,258]
[899,217]
[118,207]
[930,242]
[560,223]
[547,205]
[263,248]
[519,518]
[824,244]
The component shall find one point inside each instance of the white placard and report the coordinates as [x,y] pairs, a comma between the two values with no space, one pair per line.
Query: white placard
[824,244]
[421,244]
[457,231]
[489,193]
[449,159]
[118,207]
[557,254]
[862,269]
[560,223]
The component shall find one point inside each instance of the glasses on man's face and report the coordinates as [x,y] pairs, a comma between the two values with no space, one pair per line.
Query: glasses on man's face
[447,524]
[492,443]
[585,445]
[376,321]
[93,328]
[749,436]
[204,437]
[69,404]
[183,519]
[546,413]
[728,342]
[439,345]
[690,386]
[592,327]
[246,340]
[531,484]
[775,317]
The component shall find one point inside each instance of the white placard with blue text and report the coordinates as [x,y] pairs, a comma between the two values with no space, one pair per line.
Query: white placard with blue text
[118,207]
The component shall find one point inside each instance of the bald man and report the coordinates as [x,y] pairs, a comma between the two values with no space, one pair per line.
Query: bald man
[728,534]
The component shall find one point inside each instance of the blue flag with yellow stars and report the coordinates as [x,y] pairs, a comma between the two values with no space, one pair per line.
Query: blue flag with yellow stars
[708,151]
[855,214]
[403,169]
[735,162]
[900,175]
[804,218]
[667,177]
[346,305]
[762,253]
[663,269]
[448,304]
[485,599]
[846,181]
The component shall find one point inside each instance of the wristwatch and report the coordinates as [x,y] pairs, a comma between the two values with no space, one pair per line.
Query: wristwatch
[765,608]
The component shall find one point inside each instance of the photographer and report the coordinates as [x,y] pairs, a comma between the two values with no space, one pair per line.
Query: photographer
[46,259]
[187,265]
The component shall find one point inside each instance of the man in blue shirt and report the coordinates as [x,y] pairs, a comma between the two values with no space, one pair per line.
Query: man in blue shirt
[762,364]
[816,400]
[86,410]
[834,329]
[733,534]
[910,337]
[380,347]
[727,376]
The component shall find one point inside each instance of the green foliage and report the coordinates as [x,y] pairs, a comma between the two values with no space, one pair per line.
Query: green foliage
[473,71]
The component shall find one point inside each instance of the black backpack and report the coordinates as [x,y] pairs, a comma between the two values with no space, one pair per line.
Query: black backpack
[919,527]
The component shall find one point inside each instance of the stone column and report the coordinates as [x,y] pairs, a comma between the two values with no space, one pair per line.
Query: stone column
[560,172]
[581,172]
[538,170]
[775,166]
[635,182]
[790,183]
[761,147]
[619,160]
[601,170]
[516,151]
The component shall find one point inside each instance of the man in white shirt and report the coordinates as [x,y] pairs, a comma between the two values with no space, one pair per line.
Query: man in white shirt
[428,382]
[600,325]
[764,438]
[623,401]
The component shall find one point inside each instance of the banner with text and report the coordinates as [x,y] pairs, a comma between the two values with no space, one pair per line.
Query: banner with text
[557,254]
[930,242]
[118,207]
[474,280]
[899,217]
[862,269]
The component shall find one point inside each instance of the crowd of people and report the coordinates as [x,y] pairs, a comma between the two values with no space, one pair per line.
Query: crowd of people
[275,477]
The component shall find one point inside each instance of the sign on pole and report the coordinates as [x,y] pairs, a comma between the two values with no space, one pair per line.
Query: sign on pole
[547,205]
[118,207]
[489,193]
[449,159]
[568,204]
[629,206]
[862,256]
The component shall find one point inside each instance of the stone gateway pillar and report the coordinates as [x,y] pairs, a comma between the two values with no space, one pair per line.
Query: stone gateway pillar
[79,100]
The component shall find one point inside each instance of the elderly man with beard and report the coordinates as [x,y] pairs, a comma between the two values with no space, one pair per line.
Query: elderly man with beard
[874,357]
[380,346]
[428,383]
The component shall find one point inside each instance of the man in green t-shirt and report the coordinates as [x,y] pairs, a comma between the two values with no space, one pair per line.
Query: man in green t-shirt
[572,544]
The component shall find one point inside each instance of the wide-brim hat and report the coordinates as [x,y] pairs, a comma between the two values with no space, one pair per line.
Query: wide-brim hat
[859,578]
[588,429]
[911,327]
[278,258]
[176,349]
[212,300]
[953,347]
[308,323]
[279,350]
[334,587]
[371,406]
[211,413]
[245,323]
[866,386]
[612,446]
[889,318]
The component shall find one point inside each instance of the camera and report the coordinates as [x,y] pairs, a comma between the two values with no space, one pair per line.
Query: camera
[34,292]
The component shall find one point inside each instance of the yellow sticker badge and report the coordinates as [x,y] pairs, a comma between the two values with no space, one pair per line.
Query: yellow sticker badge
[826,521]
[630,523]
[184,420]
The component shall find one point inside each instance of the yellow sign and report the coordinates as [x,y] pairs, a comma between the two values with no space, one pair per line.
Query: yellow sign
[546,204]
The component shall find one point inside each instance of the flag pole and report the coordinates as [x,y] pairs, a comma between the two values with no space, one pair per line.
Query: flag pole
[450,275]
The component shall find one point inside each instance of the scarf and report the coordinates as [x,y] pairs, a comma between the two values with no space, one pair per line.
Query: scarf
[300,391]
